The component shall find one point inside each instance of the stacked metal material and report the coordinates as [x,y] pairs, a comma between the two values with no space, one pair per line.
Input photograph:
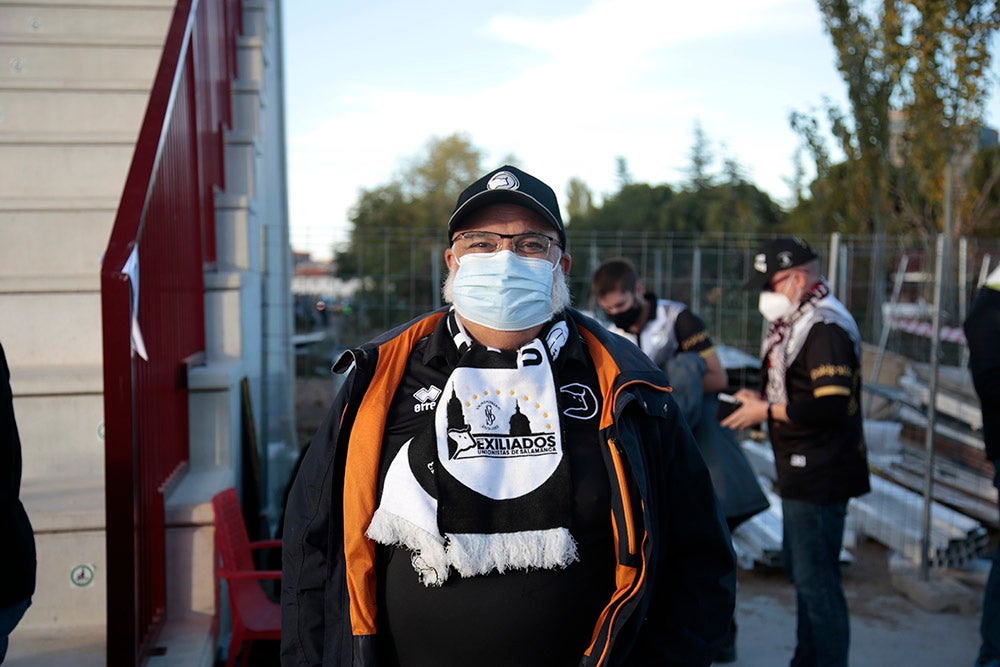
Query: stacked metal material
[891,515]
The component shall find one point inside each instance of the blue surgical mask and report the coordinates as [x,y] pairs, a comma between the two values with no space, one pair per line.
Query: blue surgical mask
[504,291]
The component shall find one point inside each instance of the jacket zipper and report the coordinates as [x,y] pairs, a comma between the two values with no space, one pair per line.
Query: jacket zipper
[609,616]
[616,458]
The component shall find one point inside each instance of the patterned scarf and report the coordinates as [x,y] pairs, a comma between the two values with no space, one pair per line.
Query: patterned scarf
[487,486]
[776,350]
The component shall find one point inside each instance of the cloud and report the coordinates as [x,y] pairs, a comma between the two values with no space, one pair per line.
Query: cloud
[566,95]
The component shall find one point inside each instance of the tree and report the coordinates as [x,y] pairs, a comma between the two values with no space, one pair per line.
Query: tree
[622,173]
[917,77]
[579,199]
[635,208]
[701,159]
[398,230]
[985,192]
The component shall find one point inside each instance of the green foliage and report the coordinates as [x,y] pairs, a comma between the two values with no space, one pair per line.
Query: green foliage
[398,225]
[579,199]
[643,208]
[984,193]
[622,173]
[707,205]
[701,159]
[917,75]
[634,207]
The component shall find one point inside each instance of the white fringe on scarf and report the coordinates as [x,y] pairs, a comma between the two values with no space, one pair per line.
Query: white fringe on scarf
[474,554]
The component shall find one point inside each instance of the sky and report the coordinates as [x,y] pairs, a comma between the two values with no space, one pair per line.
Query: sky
[565,86]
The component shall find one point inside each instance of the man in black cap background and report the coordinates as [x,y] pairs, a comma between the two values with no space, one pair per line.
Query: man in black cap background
[503,481]
[811,398]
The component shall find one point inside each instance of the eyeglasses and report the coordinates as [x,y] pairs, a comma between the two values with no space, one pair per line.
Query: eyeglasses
[529,244]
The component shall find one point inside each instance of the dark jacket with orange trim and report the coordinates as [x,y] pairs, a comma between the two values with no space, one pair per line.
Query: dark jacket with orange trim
[675,566]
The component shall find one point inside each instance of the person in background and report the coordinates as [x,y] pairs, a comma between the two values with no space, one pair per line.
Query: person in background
[674,338]
[662,328]
[982,332]
[17,556]
[811,400]
[502,481]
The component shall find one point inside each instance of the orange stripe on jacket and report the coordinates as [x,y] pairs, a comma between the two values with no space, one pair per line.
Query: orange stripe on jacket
[361,472]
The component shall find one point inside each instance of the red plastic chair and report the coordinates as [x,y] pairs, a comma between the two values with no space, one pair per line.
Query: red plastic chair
[254,615]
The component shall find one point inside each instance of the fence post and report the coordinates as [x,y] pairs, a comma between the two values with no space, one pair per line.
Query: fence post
[436,275]
[833,270]
[932,408]
[887,327]
[696,279]
[845,295]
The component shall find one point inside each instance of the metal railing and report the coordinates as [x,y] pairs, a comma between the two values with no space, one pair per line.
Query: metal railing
[164,234]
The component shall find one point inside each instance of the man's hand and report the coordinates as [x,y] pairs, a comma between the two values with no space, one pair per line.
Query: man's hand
[752,412]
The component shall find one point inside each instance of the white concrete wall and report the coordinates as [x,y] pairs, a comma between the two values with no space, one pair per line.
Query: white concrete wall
[74,79]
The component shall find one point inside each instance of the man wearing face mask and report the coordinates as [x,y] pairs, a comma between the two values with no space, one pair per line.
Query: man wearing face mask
[661,327]
[503,482]
[811,398]
[677,341]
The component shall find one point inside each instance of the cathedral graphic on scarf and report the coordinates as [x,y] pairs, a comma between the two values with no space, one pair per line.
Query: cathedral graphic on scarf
[488,487]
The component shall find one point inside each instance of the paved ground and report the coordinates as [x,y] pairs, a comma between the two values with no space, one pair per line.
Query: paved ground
[887,628]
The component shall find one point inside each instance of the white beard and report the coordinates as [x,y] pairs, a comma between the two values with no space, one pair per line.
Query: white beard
[561,298]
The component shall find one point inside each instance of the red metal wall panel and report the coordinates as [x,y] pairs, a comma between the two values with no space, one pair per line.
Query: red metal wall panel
[167,212]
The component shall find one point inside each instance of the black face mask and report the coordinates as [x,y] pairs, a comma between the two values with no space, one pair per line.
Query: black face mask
[627,318]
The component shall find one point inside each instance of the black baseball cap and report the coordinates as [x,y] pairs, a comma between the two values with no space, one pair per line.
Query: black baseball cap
[777,255]
[508,185]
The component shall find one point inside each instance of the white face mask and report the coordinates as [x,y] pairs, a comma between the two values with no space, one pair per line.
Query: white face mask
[774,306]
[504,291]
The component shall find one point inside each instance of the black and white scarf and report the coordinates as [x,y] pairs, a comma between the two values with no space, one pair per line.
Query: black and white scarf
[487,486]
[785,337]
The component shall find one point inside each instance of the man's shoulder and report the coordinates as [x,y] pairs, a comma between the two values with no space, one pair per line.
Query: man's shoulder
[405,335]
[984,309]
[423,322]
[625,354]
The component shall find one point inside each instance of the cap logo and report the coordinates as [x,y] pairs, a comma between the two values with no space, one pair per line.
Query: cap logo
[503,180]
[784,259]
[760,263]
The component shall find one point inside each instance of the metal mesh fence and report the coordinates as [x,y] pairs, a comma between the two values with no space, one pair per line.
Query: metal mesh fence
[706,272]
[894,287]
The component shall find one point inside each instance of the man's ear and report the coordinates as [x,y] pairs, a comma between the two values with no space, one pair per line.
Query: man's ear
[565,261]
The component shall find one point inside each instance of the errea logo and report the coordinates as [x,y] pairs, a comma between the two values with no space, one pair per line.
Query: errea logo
[426,398]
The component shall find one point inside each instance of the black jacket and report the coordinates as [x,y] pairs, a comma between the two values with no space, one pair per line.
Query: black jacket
[982,331]
[675,571]
[17,556]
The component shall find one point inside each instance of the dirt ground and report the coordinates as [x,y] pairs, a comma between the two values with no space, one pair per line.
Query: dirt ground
[313,396]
